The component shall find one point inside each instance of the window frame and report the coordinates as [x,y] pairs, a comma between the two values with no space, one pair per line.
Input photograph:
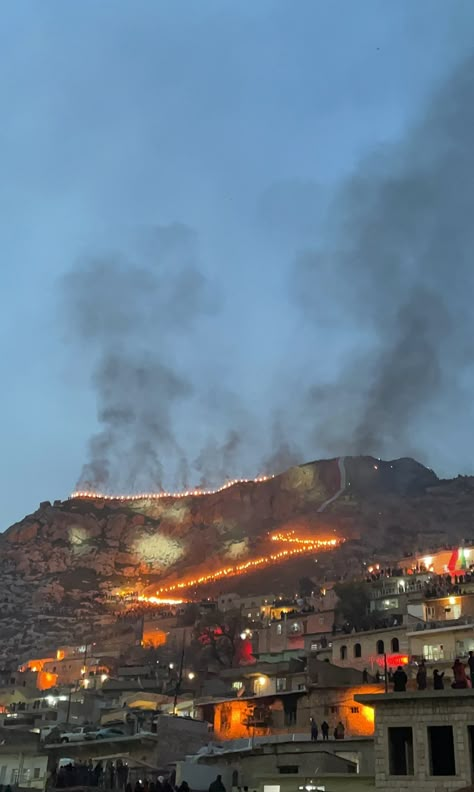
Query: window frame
[429,752]
[388,752]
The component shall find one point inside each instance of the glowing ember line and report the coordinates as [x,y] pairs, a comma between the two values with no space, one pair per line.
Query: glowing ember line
[161,600]
[304,546]
[84,494]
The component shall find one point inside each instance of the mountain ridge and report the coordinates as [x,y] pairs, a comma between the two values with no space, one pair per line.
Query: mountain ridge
[67,557]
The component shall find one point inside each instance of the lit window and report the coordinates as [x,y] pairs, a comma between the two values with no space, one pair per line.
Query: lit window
[295,627]
[281,683]
[279,629]
[237,685]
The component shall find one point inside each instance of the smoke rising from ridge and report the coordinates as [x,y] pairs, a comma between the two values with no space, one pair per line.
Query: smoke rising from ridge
[125,317]
[396,260]
[393,261]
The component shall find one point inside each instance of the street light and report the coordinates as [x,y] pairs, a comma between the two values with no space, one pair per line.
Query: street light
[191,675]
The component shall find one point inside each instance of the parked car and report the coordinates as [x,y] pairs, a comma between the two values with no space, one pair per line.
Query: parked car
[107,734]
[78,734]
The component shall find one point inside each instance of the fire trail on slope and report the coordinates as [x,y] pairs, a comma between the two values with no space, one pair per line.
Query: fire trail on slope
[302,546]
[92,495]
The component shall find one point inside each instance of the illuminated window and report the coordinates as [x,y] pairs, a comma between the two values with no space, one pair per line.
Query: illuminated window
[295,627]
[431,652]
[237,685]
[279,629]
[281,683]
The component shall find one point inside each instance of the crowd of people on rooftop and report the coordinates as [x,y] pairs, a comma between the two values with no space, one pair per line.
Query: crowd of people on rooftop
[463,676]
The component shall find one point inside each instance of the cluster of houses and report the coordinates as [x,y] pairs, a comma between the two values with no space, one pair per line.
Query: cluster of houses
[262,723]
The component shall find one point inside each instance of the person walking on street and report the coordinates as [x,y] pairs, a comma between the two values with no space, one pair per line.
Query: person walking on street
[400,680]
[325,730]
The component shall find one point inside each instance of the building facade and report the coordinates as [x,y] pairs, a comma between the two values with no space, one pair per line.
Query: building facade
[423,740]
[370,648]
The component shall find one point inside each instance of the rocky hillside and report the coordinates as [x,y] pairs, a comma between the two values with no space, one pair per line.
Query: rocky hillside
[61,561]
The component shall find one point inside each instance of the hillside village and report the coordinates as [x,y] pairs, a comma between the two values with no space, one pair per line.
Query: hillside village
[263,689]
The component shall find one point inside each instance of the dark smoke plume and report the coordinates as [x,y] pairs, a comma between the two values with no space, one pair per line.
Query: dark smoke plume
[125,317]
[284,453]
[396,260]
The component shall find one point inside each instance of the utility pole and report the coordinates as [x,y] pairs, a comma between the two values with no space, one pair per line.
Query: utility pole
[69,704]
[180,675]
[385,671]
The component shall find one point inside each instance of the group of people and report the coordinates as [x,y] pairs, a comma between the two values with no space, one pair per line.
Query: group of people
[109,776]
[161,784]
[86,773]
[338,733]
[460,677]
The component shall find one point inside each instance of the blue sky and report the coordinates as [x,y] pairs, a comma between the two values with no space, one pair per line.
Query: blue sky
[238,120]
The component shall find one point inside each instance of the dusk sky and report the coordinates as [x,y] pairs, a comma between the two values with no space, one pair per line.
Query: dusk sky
[170,174]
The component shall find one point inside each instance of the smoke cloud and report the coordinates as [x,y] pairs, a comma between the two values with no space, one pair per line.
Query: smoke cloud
[126,317]
[395,259]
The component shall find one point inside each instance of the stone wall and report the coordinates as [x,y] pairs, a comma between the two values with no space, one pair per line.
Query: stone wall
[420,711]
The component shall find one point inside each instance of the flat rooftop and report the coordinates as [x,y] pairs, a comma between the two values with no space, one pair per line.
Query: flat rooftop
[372,699]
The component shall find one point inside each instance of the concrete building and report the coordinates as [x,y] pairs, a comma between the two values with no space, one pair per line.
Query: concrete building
[423,740]
[23,762]
[284,765]
[290,632]
[392,594]
[253,607]
[454,561]
[366,649]
[441,644]
[278,699]
[172,738]
[449,607]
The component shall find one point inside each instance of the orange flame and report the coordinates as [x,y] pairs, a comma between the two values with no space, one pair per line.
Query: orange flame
[303,546]
[158,495]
